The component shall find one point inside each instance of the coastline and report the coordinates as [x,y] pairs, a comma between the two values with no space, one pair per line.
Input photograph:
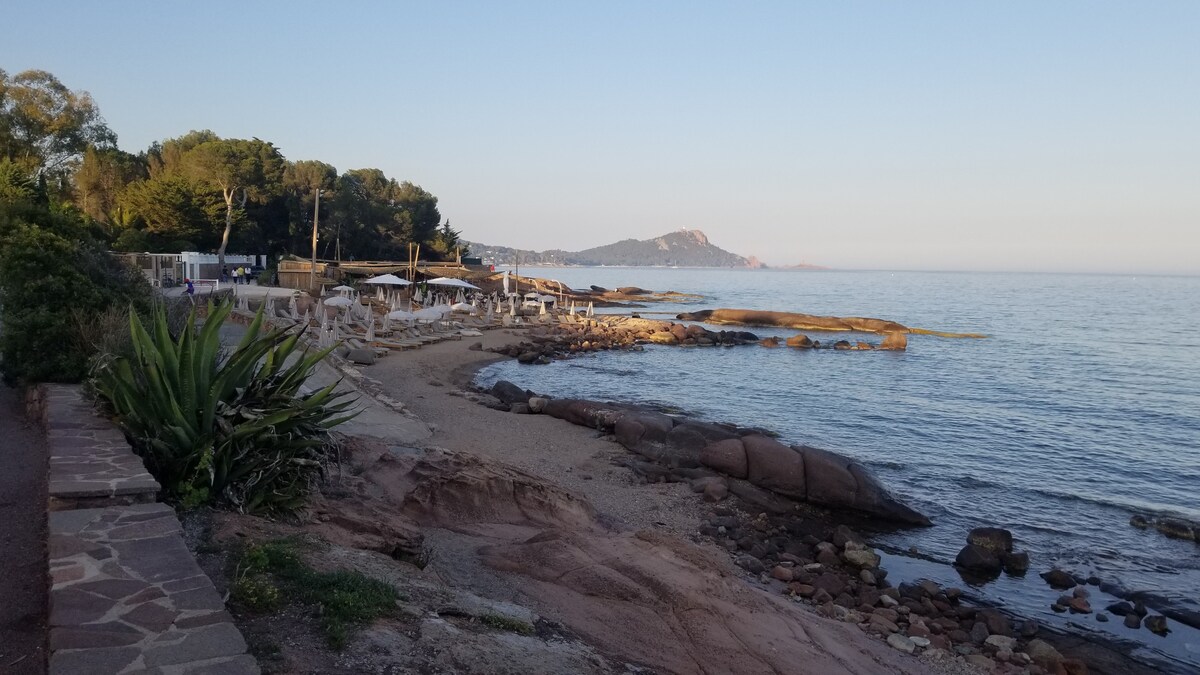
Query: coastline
[570,469]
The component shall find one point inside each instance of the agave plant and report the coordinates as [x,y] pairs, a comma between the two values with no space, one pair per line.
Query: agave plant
[228,429]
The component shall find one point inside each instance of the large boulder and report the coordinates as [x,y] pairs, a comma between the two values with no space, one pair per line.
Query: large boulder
[509,393]
[686,442]
[895,342]
[582,412]
[978,559]
[995,539]
[643,432]
[727,456]
[775,466]
[834,480]
[800,341]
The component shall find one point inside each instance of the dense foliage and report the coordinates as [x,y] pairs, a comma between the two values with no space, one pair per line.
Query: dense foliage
[53,276]
[231,430]
[206,193]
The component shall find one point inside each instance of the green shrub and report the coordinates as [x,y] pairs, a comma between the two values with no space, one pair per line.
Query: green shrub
[343,599]
[232,431]
[52,273]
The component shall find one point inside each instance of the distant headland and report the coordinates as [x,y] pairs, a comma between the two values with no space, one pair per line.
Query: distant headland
[682,248]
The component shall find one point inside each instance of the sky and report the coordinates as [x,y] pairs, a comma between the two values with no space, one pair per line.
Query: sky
[1020,136]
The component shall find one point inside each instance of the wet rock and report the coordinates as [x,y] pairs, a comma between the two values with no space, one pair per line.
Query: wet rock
[509,393]
[528,357]
[800,342]
[843,345]
[1157,624]
[1133,620]
[769,342]
[1058,578]
[895,342]
[867,578]
[843,535]
[1016,564]
[1101,617]
[978,559]
[995,539]
[979,632]
[1079,606]
[1120,608]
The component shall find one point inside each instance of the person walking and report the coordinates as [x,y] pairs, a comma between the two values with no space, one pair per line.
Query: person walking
[191,289]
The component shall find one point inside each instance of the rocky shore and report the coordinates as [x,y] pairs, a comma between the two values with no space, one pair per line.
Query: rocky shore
[559,340]
[763,513]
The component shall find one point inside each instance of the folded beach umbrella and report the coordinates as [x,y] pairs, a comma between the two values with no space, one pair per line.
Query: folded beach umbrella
[506,282]
[371,329]
[590,311]
[572,308]
[292,307]
[542,307]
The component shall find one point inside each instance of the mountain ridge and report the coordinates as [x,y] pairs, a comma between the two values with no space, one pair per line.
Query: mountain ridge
[681,248]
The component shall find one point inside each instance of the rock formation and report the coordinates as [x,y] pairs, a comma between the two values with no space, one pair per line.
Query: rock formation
[753,317]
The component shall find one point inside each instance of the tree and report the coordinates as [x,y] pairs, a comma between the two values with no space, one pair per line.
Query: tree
[45,127]
[253,168]
[173,212]
[102,177]
[301,180]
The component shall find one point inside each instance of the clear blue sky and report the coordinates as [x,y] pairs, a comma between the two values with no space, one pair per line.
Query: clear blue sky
[1058,136]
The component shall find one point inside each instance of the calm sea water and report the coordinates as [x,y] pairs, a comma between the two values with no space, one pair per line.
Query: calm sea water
[1081,409]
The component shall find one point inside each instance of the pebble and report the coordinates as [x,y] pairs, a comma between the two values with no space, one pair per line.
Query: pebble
[919,641]
[904,644]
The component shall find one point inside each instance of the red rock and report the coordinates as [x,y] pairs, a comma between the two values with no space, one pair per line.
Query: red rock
[782,573]
[895,342]
[727,456]
[774,466]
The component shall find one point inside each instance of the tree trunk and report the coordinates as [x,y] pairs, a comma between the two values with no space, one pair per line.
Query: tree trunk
[228,226]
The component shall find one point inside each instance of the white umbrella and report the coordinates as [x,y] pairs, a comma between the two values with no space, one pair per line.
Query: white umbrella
[338,301]
[464,307]
[572,308]
[453,283]
[387,323]
[371,330]
[295,313]
[512,309]
[590,311]
[305,319]
[387,280]
[460,297]
[400,315]
[542,308]
[343,288]
[506,282]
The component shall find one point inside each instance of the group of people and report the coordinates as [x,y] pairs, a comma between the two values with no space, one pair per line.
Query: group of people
[240,275]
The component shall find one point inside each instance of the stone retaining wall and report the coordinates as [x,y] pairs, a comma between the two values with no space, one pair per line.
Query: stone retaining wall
[126,595]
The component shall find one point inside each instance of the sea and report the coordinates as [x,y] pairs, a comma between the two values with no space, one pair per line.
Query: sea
[1079,410]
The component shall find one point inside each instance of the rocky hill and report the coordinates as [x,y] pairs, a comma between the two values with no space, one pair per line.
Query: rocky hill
[683,248]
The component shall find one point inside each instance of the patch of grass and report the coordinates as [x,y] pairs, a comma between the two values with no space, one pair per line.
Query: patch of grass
[344,600]
[507,623]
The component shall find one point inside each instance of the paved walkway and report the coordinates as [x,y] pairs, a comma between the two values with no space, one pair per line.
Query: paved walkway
[91,464]
[23,583]
[126,595]
[129,597]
